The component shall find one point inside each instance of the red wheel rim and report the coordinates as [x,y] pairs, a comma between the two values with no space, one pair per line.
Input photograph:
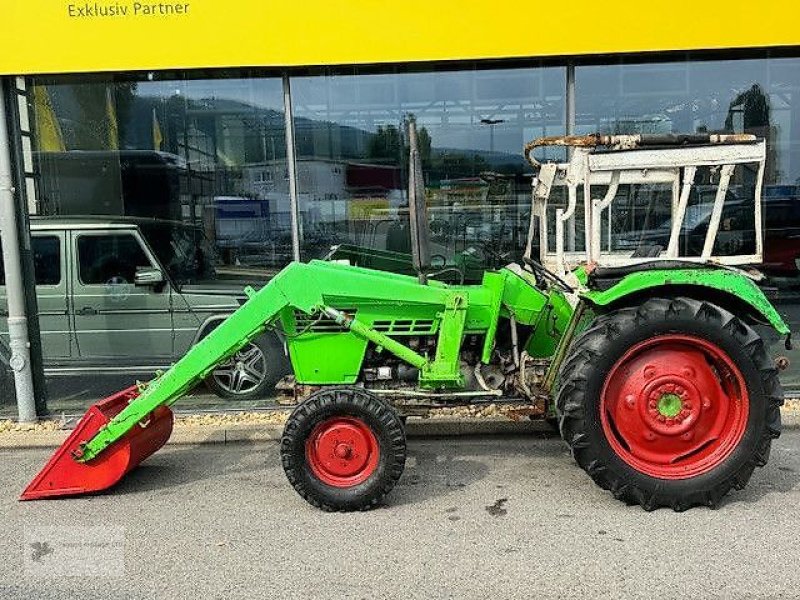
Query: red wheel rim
[674,406]
[342,451]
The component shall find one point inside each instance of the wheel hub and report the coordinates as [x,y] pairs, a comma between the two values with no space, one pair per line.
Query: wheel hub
[674,406]
[670,405]
[342,451]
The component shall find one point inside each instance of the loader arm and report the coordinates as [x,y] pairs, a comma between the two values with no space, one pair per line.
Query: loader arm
[247,322]
[330,313]
[310,288]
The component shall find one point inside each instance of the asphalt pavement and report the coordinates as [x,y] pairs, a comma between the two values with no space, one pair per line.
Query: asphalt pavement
[481,517]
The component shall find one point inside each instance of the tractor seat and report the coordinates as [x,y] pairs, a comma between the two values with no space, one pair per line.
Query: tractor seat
[603,278]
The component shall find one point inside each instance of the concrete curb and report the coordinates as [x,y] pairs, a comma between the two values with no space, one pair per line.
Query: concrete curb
[271,432]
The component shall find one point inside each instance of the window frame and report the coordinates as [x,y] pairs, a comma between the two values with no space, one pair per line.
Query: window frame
[134,233]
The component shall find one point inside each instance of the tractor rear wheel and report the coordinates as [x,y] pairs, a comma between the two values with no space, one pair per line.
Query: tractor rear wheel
[671,403]
[343,449]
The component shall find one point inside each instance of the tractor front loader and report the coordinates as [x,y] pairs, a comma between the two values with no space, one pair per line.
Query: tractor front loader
[648,355]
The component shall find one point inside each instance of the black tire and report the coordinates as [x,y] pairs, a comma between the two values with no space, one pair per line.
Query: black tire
[272,366]
[583,374]
[381,419]
[552,423]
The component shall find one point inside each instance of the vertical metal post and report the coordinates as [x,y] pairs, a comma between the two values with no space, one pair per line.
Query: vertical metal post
[417,207]
[570,130]
[570,102]
[17,96]
[291,164]
[20,360]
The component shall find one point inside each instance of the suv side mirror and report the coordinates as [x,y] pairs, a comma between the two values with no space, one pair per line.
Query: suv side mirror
[148,276]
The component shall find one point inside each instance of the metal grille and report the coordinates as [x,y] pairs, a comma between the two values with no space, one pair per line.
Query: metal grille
[388,326]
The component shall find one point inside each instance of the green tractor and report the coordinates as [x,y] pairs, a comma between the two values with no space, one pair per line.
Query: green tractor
[651,357]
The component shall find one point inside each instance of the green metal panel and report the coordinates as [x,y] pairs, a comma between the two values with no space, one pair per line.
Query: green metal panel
[579,320]
[553,320]
[445,370]
[325,358]
[326,354]
[549,313]
[522,298]
[493,284]
[725,280]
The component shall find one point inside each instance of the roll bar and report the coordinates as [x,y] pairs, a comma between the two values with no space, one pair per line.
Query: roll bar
[630,142]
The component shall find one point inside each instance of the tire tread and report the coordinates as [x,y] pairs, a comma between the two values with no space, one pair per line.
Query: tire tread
[578,369]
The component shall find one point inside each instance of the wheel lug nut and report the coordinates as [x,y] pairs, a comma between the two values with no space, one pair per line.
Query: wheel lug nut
[685,413]
[688,372]
[649,436]
[706,402]
[652,404]
[687,436]
[649,371]
[662,418]
[630,400]
[687,406]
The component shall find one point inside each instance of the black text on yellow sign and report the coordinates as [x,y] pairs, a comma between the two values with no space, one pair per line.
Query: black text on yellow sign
[99,10]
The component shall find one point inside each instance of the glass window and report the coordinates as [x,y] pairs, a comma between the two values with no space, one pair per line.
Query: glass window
[352,152]
[196,160]
[184,251]
[759,96]
[110,259]
[46,260]
[208,153]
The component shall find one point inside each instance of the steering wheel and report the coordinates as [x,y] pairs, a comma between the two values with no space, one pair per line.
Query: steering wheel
[440,257]
[493,251]
[543,273]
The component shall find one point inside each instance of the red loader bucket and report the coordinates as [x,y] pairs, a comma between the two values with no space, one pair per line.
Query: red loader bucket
[64,476]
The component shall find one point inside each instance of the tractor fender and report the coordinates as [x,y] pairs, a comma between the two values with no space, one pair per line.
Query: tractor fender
[731,288]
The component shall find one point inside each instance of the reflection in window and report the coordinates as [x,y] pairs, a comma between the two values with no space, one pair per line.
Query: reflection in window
[352,154]
[46,250]
[109,259]
[209,153]
[759,96]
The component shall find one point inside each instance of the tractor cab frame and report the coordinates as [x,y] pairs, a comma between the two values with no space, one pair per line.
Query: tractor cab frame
[601,166]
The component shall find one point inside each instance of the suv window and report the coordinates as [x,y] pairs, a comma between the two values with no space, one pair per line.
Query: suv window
[46,260]
[184,251]
[109,258]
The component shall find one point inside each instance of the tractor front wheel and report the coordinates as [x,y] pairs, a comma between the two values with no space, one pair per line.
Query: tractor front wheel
[671,403]
[343,449]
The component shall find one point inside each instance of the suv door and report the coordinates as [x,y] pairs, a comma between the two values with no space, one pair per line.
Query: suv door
[116,322]
[49,259]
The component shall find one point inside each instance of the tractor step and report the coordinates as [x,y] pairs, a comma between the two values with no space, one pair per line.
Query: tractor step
[63,475]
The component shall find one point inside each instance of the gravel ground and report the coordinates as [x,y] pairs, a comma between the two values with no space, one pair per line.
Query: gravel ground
[791,412]
[471,518]
[272,417]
